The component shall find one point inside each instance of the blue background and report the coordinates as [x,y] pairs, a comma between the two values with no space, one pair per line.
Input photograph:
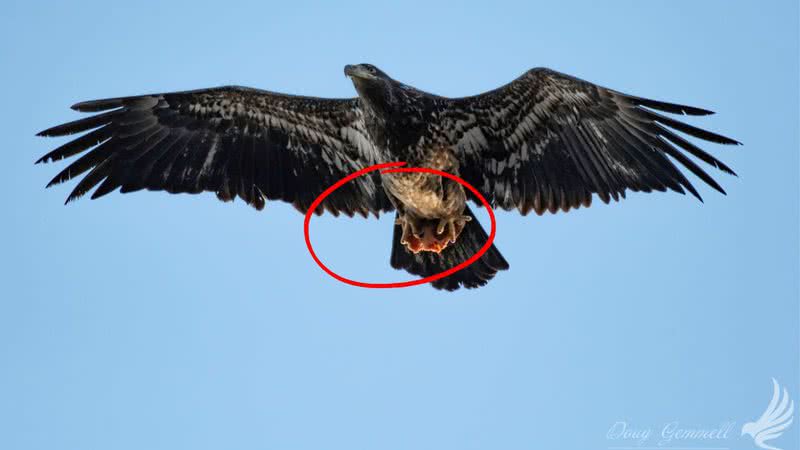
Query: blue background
[165,322]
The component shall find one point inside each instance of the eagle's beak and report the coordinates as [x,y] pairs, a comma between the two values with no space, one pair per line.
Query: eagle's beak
[355,71]
[349,70]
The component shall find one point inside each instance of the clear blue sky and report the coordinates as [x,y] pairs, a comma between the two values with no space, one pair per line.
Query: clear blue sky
[150,321]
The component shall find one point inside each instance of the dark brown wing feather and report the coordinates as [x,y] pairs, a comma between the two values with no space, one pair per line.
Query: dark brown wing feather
[234,141]
[548,141]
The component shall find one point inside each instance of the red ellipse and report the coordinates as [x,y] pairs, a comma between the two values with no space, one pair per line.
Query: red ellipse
[395,167]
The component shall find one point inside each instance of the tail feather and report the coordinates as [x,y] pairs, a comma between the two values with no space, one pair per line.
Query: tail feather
[468,243]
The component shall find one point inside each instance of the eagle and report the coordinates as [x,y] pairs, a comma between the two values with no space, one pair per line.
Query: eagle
[545,142]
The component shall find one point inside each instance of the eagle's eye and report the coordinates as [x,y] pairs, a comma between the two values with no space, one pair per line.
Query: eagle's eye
[372,69]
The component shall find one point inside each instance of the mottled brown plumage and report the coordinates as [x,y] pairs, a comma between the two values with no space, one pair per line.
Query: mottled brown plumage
[544,142]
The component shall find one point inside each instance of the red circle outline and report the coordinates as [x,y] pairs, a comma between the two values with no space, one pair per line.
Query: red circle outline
[394,167]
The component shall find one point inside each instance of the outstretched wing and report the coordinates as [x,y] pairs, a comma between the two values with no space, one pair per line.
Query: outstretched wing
[233,141]
[548,141]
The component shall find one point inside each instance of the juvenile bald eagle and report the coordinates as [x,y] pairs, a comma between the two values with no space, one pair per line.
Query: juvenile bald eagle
[544,142]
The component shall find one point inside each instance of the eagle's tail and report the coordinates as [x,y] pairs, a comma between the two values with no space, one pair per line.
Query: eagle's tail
[472,238]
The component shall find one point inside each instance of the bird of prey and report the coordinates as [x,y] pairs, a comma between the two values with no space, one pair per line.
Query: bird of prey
[774,421]
[545,142]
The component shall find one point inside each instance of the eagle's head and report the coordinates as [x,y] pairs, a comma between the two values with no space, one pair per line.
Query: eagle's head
[381,93]
[375,88]
[365,73]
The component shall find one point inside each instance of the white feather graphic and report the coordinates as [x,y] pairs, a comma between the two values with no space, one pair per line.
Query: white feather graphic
[777,417]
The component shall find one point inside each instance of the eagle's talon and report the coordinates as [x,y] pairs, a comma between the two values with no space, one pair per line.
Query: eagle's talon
[426,235]
[451,227]
[412,233]
[442,224]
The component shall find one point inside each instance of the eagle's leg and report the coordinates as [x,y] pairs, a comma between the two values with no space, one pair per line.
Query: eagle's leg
[430,207]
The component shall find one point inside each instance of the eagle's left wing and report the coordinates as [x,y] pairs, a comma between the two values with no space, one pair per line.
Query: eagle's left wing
[548,141]
[233,141]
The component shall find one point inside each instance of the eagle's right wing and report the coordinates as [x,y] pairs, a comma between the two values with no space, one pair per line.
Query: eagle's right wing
[233,141]
[548,141]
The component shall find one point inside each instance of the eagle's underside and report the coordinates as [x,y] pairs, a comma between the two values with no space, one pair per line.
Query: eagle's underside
[545,142]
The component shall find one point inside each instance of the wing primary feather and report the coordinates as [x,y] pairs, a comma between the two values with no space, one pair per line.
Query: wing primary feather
[129,144]
[141,164]
[134,128]
[84,163]
[665,106]
[694,150]
[657,159]
[150,158]
[108,185]
[659,165]
[633,147]
[78,145]
[637,173]
[97,175]
[694,168]
[76,126]
[686,128]
[99,105]
[650,149]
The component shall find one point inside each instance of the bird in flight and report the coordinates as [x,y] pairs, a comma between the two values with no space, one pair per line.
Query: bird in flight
[545,142]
